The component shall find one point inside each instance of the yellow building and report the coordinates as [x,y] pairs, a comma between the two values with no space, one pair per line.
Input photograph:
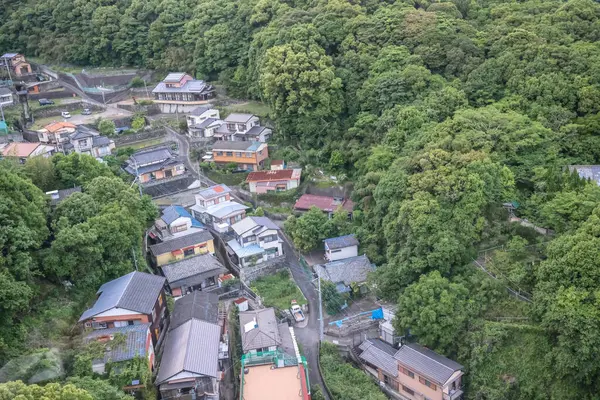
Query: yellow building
[182,247]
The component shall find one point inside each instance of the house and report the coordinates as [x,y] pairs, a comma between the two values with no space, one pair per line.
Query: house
[203,121]
[22,151]
[243,128]
[56,196]
[249,156]
[174,221]
[85,142]
[137,342]
[194,273]
[56,132]
[326,204]
[591,172]
[413,371]
[214,208]
[6,97]
[277,165]
[180,247]
[180,93]
[277,181]
[341,247]
[343,273]
[135,298]
[155,164]
[260,332]
[16,63]
[256,240]
[274,377]
[191,366]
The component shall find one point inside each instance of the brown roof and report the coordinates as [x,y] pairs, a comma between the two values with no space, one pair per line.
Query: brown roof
[55,126]
[19,149]
[261,176]
[277,162]
[324,203]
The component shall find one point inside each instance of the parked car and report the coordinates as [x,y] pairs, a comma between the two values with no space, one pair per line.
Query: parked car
[45,102]
[297,311]
[65,114]
[86,111]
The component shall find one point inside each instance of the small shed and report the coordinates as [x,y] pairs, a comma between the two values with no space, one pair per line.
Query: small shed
[241,303]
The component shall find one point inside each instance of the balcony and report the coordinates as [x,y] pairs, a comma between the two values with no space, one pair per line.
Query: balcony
[455,395]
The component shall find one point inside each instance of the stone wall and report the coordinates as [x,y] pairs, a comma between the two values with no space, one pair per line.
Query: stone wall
[249,274]
[138,137]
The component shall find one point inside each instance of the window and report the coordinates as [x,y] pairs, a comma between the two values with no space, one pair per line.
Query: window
[238,153]
[188,252]
[82,142]
[250,239]
[407,372]
[229,154]
[335,251]
[154,315]
[130,323]
[179,228]
[427,383]
[260,152]
[160,300]
[408,390]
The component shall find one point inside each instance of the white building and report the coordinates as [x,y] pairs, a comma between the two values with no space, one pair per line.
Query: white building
[214,208]
[243,128]
[256,241]
[203,122]
[6,97]
[341,247]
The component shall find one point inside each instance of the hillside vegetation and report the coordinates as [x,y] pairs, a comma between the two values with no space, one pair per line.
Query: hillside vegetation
[439,112]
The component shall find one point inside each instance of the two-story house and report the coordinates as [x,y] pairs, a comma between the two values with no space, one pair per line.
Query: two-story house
[180,93]
[181,247]
[260,332]
[16,63]
[273,181]
[174,221]
[243,128]
[256,240]
[154,164]
[341,247]
[200,272]
[56,133]
[248,156]
[203,121]
[215,208]
[85,142]
[413,371]
[135,298]
[6,97]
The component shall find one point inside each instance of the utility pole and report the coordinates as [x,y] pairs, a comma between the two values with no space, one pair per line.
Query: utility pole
[320,310]
[137,177]
[134,258]
[2,111]
[7,69]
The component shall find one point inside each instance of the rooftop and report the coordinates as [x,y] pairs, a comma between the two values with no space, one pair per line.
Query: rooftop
[427,362]
[238,118]
[214,191]
[200,267]
[174,77]
[277,175]
[341,242]
[263,382]
[259,329]
[19,149]
[150,156]
[380,354]
[199,305]
[9,55]
[5,91]
[190,86]
[56,196]
[221,210]
[136,291]
[347,270]
[172,213]
[198,111]
[207,122]
[255,224]
[134,345]
[245,251]
[80,134]
[180,242]
[240,146]
[591,172]
[56,126]
[99,140]
[324,203]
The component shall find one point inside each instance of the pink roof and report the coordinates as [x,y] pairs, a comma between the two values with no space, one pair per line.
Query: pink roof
[19,149]
[324,203]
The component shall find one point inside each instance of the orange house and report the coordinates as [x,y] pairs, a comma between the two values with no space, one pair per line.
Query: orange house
[248,156]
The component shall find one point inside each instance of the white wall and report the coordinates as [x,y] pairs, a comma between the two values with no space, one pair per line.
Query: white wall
[340,254]
[113,312]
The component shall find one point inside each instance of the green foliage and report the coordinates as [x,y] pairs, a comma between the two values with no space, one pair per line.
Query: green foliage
[78,169]
[52,391]
[332,300]
[138,123]
[337,375]
[136,82]
[42,173]
[99,389]
[107,127]
[278,290]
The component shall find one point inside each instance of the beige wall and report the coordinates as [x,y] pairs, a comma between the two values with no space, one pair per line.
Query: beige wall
[166,258]
[421,391]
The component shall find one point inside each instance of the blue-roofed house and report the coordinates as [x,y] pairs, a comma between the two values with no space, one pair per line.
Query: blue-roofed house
[341,247]
[181,93]
[256,240]
[175,221]
[215,208]
[135,298]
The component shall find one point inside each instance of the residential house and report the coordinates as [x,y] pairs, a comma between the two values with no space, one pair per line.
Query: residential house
[180,247]
[243,128]
[85,142]
[180,93]
[344,273]
[260,332]
[56,196]
[194,273]
[413,371]
[16,63]
[274,376]
[6,97]
[273,181]
[203,121]
[155,164]
[248,156]
[277,165]
[341,247]
[590,172]
[191,364]
[135,298]
[256,241]
[175,221]
[56,132]
[215,208]
[22,151]
[326,204]
[137,343]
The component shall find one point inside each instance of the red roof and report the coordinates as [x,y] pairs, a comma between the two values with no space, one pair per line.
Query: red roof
[55,126]
[218,189]
[240,300]
[226,277]
[277,175]
[324,203]
[19,149]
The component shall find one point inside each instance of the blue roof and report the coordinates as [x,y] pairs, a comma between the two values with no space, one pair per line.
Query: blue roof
[247,251]
[341,242]
[171,213]
[254,146]
[9,55]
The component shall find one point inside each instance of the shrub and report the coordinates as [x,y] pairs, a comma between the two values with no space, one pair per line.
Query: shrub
[136,82]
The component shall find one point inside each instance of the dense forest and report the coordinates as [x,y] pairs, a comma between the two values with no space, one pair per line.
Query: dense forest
[439,112]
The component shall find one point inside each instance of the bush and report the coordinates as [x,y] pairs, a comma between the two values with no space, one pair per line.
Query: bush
[145,102]
[276,198]
[137,82]
[278,290]
[106,127]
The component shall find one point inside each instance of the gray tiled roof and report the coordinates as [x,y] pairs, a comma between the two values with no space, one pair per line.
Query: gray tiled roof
[134,346]
[427,362]
[257,224]
[5,91]
[207,122]
[348,270]
[238,117]
[136,291]
[152,167]
[98,141]
[341,242]
[200,305]
[79,134]
[254,131]
[380,354]
[198,111]
[192,347]
[204,265]
[266,334]
[180,242]
[150,156]
[193,86]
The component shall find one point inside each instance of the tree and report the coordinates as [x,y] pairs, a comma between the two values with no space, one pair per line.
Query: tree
[107,127]
[332,300]
[436,311]
[99,389]
[42,173]
[138,123]
[309,230]
[78,169]
[52,391]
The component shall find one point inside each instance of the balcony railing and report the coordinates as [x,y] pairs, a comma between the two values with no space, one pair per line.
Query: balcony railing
[455,395]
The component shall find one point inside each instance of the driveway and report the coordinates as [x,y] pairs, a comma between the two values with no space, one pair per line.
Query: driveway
[109,113]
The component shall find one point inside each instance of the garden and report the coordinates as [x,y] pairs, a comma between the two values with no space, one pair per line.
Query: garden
[278,290]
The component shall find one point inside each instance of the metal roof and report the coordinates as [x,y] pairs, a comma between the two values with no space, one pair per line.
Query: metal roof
[240,146]
[324,203]
[150,156]
[221,210]
[380,354]
[198,111]
[238,118]
[204,264]
[274,175]
[253,224]
[180,242]
[9,55]
[245,251]
[207,122]
[347,270]
[136,291]
[341,242]
[171,213]
[134,345]
[200,305]
[174,77]
[191,86]
[264,332]
[63,194]
[427,362]
[214,191]
[254,131]
[192,347]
